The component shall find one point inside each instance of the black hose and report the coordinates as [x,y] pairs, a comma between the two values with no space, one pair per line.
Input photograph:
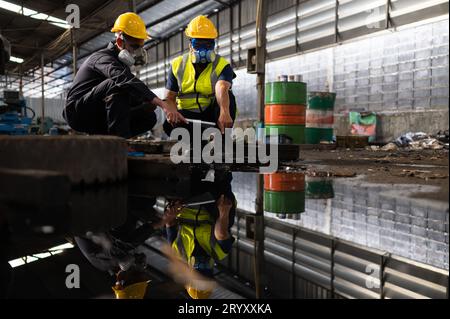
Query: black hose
[32,111]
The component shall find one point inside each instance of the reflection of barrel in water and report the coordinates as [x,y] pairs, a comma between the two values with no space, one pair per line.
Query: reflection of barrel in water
[284,194]
[319,187]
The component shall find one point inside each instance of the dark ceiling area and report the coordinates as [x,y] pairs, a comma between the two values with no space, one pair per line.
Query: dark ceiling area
[30,37]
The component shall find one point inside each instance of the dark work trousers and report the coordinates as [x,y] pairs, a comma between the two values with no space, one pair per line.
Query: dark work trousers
[210,114]
[109,110]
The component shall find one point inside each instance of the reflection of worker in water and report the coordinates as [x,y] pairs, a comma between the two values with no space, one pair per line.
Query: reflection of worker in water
[115,252]
[201,235]
[111,255]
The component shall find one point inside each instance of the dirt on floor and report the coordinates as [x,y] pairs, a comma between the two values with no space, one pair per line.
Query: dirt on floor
[424,167]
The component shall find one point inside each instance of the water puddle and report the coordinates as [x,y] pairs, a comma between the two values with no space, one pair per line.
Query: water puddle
[316,237]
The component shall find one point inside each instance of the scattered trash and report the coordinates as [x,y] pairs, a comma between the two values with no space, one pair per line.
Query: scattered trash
[415,142]
[426,144]
[421,174]
[373,148]
[319,174]
[344,174]
[443,137]
[408,138]
[390,147]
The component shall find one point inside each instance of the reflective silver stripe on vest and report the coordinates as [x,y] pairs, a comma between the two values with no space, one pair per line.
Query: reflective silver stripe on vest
[214,77]
[181,70]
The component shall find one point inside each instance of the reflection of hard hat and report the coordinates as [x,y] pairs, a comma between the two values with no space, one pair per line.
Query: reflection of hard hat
[198,294]
[201,28]
[134,291]
[131,24]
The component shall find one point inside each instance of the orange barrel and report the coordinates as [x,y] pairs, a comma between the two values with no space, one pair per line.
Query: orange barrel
[279,114]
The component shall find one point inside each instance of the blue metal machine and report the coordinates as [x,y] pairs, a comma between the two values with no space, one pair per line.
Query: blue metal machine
[13,114]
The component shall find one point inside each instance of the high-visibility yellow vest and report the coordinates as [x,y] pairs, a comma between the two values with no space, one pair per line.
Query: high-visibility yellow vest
[196,95]
[196,224]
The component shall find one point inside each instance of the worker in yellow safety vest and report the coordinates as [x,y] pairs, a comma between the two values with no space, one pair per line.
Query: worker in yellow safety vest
[199,82]
[200,237]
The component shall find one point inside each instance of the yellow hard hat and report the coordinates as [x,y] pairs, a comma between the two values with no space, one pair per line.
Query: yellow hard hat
[134,291]
[131,24]
[198,294]
[201,28]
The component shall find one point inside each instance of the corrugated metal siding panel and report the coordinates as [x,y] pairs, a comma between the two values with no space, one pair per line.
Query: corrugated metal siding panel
[53,108]
[316,27]
[248,12]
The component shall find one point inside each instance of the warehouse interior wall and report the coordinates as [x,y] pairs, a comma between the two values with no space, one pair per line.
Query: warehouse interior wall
[53,108]
[403,76]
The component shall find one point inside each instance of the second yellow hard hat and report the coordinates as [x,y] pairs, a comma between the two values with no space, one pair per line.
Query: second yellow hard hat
[201,28]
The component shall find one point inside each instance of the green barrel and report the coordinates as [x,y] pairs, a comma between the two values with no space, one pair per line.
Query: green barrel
[320,117]
[314,135]
[284,202]
[319,188]
[292,93]
[295,132]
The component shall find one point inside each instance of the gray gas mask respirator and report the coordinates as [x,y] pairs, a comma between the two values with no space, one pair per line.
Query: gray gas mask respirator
[137,58]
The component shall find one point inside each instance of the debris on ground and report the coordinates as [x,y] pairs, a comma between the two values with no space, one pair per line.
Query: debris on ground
[443,137]
[408,138]
[415,142]
[422,141]
[325,174]
[426,144]
[344,174]
[390,147]
[421,174]
[373,148]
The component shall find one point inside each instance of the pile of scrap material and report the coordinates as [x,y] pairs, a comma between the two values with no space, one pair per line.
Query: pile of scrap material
[416,141]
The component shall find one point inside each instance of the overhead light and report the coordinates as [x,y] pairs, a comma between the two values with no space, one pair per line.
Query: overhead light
[50,252]
[16,59]
[33,14]
[216,10]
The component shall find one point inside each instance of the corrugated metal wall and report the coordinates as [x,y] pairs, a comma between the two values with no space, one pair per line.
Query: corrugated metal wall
[396,70]
[303,264]
[399,71]
[53,108]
